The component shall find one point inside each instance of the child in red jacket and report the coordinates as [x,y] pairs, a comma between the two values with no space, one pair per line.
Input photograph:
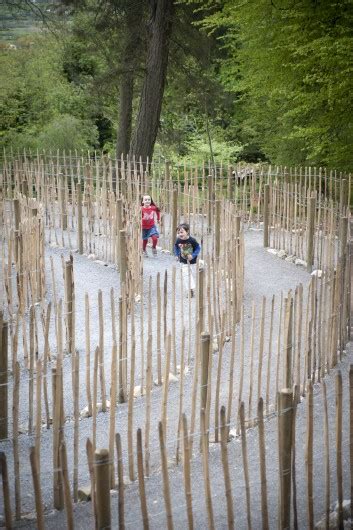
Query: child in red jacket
[150,215]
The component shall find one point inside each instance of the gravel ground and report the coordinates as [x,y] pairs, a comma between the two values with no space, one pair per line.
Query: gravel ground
[265,275]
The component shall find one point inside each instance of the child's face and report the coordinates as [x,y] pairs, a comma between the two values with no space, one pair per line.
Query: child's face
[182,233]
[146,200]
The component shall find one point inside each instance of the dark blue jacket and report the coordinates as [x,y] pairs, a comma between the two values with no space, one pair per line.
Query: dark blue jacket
[184,247]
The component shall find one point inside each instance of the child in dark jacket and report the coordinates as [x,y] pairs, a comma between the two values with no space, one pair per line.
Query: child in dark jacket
[187,249]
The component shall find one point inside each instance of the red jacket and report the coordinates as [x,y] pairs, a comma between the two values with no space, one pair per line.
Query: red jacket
[149,216]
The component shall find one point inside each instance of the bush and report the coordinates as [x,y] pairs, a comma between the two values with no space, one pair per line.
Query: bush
[67,132]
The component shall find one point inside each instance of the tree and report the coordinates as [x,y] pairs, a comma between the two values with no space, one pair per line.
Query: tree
[153,87]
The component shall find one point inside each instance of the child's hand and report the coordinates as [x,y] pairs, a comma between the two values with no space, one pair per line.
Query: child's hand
[189,258]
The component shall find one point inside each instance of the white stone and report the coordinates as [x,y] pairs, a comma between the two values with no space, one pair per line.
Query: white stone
[317,273]
[346,507]
[272,251]
[84,413]
[282,254]
[300,262]
[215,346]
[137,391]
[291,259]
[137,298]
[100,262]
[91,256]
[232,433]
[84,493]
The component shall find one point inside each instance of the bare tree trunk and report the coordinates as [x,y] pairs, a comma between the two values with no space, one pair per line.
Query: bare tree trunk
[153,87]
[130,59]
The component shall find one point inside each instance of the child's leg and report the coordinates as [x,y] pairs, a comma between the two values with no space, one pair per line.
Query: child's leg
[154,241]
[144,244]
[188,276]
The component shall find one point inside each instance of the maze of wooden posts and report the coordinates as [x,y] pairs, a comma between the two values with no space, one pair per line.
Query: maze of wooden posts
[54,205]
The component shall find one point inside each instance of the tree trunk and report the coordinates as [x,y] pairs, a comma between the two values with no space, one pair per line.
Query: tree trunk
[130,58]
[153,87]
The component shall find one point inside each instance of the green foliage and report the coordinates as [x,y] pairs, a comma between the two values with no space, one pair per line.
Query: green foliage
[37,98]
[291,64]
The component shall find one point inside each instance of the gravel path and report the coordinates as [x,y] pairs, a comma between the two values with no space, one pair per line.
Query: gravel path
[265,275]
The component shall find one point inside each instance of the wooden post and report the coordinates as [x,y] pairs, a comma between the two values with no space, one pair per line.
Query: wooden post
[351,434]
[245,463]
[141,478]
[266,214]
[217,235]
[339,467]
[79,218]
[122,256]
[285,419]
[205,358]
[70,305]
[174,213]
[310,232]
[121,486]
[186,473]
[309,453]
[102,474]
[166,489]
[3,379]
[15,414]
[288,346]
[225,465]
[327,453]
[262,453]
[66,484]
[201,300]
[6,490]
[343,230]
[206,471]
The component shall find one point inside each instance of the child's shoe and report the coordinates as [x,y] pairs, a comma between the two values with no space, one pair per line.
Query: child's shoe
[144,253]
[154,251]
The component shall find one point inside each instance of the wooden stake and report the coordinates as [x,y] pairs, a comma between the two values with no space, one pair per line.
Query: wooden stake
[351,434]
[66,484]
[88,355]
[186,473]
[37,489]
[90,461]
[166,386]
[206,472]
[225,464]
[205,358]
[79,218]
[309,453]
[15,411]
[339,396]
[141,478]
[112,413]
[327,456]
[101,351]
[285,424]
[6,490]
[38,428]
[3,380]
[102,476]
[121,487]
[262,453]
[310,231]
[131,399]
[266,214]
[166,490]
[245,463]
